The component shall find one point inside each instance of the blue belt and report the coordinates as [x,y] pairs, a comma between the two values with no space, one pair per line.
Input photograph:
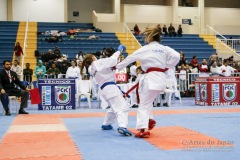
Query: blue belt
[112,83]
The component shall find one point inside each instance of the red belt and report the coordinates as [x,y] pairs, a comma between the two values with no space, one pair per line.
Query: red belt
[156,69]
[137,85]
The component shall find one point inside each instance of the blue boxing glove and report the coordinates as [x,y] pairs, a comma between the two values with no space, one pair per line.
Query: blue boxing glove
[121,48]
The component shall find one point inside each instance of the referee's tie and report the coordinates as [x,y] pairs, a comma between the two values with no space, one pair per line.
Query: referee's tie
[9,76]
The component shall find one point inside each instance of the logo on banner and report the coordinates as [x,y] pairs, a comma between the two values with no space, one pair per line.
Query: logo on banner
[62,94]
[203,91]
[229,91]
[46,95]
[215,93]
[197,92]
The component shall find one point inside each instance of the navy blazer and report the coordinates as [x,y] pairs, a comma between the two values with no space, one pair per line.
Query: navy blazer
[5,82]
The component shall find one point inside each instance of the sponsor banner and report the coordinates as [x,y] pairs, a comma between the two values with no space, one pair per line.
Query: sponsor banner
[203,92]
[121,77]
[57,94]
[229,91]
[197,94]
[215,93]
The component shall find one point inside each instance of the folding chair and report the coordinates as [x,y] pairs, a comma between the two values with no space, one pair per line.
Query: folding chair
[12,103]
[84,87]
[172,89]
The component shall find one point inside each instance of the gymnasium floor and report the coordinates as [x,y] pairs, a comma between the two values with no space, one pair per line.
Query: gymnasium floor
[183,132]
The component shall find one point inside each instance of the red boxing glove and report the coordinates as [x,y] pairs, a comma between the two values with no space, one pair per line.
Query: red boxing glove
[235,71]
[223,71]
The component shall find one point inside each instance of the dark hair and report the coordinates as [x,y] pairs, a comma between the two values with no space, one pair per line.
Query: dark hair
[6,61]
[27,63]
[225,60]
[16,61]
[110,52]
[193,57]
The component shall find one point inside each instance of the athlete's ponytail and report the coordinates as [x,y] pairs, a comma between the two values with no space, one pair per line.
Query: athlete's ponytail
[153,34]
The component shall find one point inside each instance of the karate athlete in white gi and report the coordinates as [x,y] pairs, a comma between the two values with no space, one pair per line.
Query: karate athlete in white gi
[103,72]
[225,70]
[155,59]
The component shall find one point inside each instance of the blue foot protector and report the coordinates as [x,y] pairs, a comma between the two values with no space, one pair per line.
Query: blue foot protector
[124,131]
[107,127]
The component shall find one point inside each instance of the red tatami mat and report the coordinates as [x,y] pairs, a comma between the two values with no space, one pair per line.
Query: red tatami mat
[176,137]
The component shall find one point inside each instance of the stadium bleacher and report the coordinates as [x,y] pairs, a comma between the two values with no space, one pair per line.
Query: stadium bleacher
[71,47]
[190,44]
[8,33]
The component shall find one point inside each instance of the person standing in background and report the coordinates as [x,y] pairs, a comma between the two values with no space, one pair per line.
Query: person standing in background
[16,68]
[27,73]
[18,51]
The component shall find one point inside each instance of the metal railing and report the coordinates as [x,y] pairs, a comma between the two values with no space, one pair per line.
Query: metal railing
[184,83]
[225,47]
[211,31]
[130,36]
[25,42]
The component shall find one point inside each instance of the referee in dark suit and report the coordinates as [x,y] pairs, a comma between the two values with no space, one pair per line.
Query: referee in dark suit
[8,87]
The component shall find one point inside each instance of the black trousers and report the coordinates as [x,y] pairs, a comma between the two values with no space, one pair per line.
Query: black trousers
[22,93]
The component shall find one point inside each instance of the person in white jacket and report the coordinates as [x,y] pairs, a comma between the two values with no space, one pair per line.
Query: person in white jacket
[73,71]
[103,70]
[226,70]
[155,59]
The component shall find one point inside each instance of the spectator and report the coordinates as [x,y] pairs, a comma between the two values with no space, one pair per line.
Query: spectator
[183,59]
[188,76]
[83,70]
[57,64]
[40,70]
[236,66]
[226,70]
[71,31]
[204,69]
[159,26]
[53,71]
[57,53]
[52,38]
[27,73]
[194,62]
[133,72]
[80,56]
[214,69]
[230,61]
[8,82]
[64,68]
[229,42]
[219,63]
[73,71]
[213,58]
[182,78]
[165,30]
[16,68]
[49,57]
[18,51]
[179,31]
[171,31]
[136,30]
[46,64]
